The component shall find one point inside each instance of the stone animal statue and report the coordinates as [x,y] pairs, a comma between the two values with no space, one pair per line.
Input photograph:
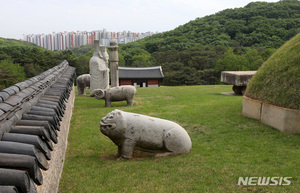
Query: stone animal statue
[130,132]
[82,81]
[118,93]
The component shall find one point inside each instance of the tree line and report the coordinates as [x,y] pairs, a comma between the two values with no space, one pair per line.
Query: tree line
[21,60]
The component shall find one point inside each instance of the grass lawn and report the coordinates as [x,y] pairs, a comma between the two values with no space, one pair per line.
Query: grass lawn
[226,146]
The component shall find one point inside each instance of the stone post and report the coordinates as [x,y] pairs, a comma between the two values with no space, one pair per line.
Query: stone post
[114,66]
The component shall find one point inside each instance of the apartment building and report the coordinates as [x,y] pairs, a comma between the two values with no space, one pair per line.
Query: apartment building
[66,40]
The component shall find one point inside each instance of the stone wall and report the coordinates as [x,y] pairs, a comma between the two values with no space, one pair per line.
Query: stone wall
[53,174]
[284,119]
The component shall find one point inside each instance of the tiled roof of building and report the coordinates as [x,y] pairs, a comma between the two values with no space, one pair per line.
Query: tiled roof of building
[141,72]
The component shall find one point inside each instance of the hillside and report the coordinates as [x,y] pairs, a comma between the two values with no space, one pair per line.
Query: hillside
[277,82]
[232,39]
[79,51]
[192,54]
[259,24]
[196,52]
[21,60]
[12,42]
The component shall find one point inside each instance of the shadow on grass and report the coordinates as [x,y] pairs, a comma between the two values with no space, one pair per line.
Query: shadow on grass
[110,157]
[231,94]
[137,155]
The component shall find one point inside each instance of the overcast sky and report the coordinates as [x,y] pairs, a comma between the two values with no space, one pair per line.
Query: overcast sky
[18,17]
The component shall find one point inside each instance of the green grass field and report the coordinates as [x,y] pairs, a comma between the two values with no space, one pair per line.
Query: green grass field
[226,146]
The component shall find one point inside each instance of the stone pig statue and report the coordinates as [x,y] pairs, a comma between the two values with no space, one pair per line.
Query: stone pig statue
[82,81]
[130,131]
[118,93]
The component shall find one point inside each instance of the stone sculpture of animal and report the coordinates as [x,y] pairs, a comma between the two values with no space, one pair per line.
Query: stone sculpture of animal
[82,81]
[118,93]
[130,132]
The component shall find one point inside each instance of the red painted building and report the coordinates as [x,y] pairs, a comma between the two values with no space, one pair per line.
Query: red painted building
[141,76]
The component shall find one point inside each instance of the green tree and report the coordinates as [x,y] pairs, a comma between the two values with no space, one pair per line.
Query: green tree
[32,70]
[232,27]
[231,62]
[208,77]
[267,53]
[252,60]
[10,73]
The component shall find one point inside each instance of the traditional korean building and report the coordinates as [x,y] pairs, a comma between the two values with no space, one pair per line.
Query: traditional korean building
[141,76]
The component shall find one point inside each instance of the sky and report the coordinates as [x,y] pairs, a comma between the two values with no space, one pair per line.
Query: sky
[18,17]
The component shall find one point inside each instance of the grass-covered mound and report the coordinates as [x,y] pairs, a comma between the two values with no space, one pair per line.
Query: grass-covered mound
[277,81]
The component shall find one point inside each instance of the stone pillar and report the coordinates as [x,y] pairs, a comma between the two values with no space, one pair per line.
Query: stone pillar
[114,66]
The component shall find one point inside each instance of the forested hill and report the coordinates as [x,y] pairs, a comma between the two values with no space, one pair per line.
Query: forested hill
[257,24]
[232,39]
[194,53]
[13,42]
[21,60]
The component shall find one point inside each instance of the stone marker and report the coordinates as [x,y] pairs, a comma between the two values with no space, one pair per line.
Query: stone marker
[114,66]
[99,71]
[119,93]
[239,80]
[135,132]
[82,81]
